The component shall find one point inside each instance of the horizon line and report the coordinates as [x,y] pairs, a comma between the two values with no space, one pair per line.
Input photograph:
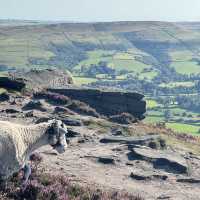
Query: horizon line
[107,21]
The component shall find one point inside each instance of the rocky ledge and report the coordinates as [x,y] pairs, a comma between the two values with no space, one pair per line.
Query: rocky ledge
[36,79]
[57,85]
[108,103]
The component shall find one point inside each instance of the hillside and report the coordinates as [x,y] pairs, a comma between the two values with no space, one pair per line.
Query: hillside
[132,46]
[137,47]
[105,158]
[158,59]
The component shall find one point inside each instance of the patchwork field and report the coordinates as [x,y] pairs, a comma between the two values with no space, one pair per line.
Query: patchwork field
[178,119]
[155,58]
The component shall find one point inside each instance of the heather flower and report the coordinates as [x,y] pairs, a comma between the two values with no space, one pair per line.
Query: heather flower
[44,186]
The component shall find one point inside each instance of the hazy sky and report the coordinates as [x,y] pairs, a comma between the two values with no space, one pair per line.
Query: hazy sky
[101,10]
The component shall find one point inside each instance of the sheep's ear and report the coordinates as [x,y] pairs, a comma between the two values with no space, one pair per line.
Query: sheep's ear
[62,139]
[51,121]
[65,129]
[64,126]
[52,139]
[59,122]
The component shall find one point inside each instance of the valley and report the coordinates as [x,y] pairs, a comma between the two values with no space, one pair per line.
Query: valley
[158,59]
[110,153]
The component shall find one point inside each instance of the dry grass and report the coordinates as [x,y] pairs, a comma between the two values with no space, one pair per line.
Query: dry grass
[83,108]
[177,140]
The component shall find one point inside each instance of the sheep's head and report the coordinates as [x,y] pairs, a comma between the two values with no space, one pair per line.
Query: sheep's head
[57,136]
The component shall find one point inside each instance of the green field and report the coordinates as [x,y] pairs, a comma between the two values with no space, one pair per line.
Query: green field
[138,51]
[182,62]
[115,60]
[178,84]
[155,114]
[83,81]
[186,67]
[130,65]
[151,103]
[42,43]
[184,128]
[148,75]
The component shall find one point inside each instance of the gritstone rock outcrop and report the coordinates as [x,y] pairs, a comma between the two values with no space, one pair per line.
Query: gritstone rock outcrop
[36,79]
[108,103]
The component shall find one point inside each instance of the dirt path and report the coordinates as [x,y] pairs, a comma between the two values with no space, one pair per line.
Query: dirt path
[108,166]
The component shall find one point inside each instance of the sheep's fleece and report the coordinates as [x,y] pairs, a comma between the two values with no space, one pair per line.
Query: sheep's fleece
[16,144]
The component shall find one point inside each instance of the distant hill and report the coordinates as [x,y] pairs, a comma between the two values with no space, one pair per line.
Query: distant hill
[158,59]
[136,47]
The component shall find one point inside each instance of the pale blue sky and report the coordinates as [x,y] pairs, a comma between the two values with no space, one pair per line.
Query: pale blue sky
[101,10]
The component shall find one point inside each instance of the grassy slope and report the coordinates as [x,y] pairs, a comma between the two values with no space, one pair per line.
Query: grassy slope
[187,124]
[110,43]
[19,44]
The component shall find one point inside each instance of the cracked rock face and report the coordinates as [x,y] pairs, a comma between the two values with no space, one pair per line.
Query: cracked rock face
[36,79]
[127,104]
[148,177]
[166,160]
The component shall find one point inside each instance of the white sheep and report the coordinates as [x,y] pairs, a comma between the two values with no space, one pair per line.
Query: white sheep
[17,142]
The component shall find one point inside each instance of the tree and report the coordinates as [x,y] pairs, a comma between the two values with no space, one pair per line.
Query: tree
[167,115]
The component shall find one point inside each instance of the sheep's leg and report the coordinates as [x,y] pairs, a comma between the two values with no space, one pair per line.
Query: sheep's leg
[26,173]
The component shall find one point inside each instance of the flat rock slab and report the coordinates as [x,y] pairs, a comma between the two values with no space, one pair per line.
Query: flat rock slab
[108,103]
[161,159]
[129,140]
[72,122]
[189,180]
[36,79]
[146,177]
[103,160]
[106,160]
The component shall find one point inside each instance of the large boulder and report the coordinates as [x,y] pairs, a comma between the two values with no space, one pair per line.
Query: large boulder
[9,82]
[4,97]
[53,98]
[108,103]
[148,176]
[83,109]
[34,105]
[123,118]
[143,140]
[161,159]
[36,79]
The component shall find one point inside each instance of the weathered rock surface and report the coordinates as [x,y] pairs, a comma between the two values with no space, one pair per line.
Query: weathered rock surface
[161,159]
[71,122]
[73,106]
[68,121]
[106,160]
[10,82]
[146,177]
[4,97]
[11,110]
[53,98]
[83,109]
[36,79]
[72,133]
[60,109]
[108,103]
[95,162]
[37,105]
[144,140]
[29,114]
[103,160]
[188,180]
[123,118]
